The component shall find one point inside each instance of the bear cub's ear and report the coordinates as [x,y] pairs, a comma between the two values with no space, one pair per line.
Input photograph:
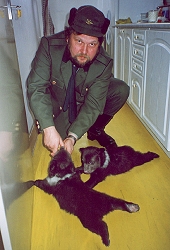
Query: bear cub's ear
[81,150]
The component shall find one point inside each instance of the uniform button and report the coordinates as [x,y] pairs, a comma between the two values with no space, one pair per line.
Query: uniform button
[87,89]
[17,126]
[61,108]
[53,82]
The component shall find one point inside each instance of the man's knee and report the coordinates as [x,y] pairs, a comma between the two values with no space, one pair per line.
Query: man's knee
[118,93]
[118,88]
[124,90]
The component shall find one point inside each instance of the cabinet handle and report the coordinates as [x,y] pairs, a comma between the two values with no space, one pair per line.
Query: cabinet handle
[136,37]
[135,52]
[134,85]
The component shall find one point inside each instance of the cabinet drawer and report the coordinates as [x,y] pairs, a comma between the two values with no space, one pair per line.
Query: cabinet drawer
[138,52]
[139,37]
[138,66]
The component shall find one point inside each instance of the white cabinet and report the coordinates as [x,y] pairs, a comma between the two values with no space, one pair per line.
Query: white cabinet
[123,50]
[156,98]
[143,62]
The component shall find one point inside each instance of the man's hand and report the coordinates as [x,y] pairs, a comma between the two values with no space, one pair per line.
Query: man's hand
[52,139]
[69,145]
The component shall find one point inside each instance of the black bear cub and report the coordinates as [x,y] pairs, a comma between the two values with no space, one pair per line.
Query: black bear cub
[76,198]
[102,162]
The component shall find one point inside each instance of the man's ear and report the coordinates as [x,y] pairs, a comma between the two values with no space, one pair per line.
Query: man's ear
[101,150]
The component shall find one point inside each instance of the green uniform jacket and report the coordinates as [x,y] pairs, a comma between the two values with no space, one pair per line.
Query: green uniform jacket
[48,81]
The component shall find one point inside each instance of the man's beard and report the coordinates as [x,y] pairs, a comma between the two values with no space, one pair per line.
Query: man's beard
[79,64]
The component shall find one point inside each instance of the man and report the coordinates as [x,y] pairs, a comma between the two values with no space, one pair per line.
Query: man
[75,56]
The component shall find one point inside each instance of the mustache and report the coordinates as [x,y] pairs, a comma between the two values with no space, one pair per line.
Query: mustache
[84,55]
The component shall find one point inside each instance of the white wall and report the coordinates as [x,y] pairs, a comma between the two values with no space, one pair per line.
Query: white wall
[28,31]
[133,8]
[60,9]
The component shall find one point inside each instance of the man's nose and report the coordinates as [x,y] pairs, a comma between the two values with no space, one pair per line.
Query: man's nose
[84,48]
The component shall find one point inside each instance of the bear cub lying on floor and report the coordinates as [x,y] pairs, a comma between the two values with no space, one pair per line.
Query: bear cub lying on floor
[76,198]
[101,162]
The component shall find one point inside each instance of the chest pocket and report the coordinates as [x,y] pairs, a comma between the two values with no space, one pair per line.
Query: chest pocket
[58,90]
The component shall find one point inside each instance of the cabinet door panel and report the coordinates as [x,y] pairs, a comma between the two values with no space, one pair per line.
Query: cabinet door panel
[136,91]
[156,87]
[123,62]
[120,54]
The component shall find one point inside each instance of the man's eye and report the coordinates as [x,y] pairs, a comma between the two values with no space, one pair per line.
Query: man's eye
[79,41]
[93,45]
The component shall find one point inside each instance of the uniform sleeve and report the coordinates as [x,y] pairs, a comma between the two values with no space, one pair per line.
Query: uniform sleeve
[94,102]
[38,86]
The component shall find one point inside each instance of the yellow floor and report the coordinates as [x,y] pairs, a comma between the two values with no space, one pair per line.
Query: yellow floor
[147,185]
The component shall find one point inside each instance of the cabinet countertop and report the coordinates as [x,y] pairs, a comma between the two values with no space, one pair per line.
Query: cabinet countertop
[163,26]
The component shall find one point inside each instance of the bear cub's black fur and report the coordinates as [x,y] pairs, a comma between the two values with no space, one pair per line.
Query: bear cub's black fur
[101,162]
[76,198]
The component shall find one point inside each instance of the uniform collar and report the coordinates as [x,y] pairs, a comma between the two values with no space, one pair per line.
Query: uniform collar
[66,55]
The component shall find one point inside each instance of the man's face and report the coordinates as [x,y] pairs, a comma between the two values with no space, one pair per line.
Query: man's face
[83,48]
